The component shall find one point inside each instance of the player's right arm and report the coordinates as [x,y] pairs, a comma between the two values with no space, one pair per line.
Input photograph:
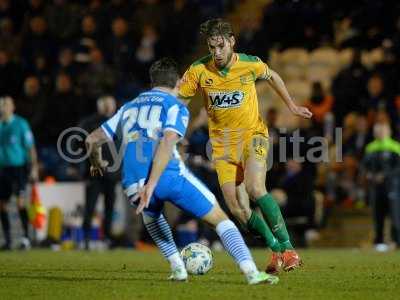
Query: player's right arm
[189,84]
[93,145]
[97,138]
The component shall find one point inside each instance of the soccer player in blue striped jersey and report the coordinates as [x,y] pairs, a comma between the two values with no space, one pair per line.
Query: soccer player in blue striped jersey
[149,127]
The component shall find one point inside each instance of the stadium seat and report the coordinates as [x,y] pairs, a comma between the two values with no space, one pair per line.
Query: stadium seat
[345,57]
[320,73]
[275,61]
[323,64]
[299,89]
[294,63]
[267,97]
[371,58]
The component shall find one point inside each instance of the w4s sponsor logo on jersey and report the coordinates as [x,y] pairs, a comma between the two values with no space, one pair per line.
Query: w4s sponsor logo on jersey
[226,99]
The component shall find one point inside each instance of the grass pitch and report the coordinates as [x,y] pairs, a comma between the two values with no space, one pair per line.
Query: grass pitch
[124,274]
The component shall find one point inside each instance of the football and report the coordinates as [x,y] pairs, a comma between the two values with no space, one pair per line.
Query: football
[198,258]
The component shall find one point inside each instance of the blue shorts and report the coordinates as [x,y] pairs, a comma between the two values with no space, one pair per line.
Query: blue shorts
[185,191]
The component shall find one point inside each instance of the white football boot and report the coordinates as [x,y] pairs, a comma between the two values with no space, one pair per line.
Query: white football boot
[256,277]
[179,273]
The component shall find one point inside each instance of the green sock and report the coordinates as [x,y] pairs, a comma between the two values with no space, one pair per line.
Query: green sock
[257,226]
[272,214]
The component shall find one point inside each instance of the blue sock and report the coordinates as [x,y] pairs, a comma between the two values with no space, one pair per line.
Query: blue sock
[235,245]
[160,232]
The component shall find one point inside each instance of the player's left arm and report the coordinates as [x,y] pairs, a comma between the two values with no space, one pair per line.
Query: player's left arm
[262,71]
[276,82]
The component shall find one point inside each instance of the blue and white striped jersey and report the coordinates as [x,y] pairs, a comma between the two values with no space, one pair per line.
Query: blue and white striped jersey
[138,126]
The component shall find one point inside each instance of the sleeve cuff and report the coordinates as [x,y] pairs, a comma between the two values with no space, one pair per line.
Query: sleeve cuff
[107,130]
[174,130]
[267,74]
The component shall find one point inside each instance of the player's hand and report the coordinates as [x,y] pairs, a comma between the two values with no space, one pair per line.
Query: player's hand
[301,111]
[145,194]
[98,168]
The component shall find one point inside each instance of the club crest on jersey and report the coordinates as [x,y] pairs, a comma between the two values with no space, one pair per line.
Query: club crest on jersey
[226,99]
[209,81]
[244,79]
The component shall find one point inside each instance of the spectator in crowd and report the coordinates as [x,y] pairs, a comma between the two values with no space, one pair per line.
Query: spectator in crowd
[66,63]
[381,167]
[249,34]
[9,41]
[88,39]
[63,20]
[180,12]
[278,166]
[149,11]
[119,8]
[119,52]
[63,108]
[34,8]
[97,79]
[388,69]
[349,88]
[106,107]
[349,128]
[320,104]
[396,118]
[119,48]
[302,146]
[66,54]
[41,68]
[271,118]
[377,99]
[297,185]
[31,104]
[10,9]
[17,155]
[346,35]
[146,51]
[345,181]
[10,75]
[355,140]
[97,9]
[396,36]
[37,41]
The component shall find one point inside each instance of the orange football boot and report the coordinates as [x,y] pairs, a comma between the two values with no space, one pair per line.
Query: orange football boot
[291,260]
[275,264]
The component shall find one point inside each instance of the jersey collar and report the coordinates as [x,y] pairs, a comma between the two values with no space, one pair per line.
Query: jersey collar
[156,89]
[223,72]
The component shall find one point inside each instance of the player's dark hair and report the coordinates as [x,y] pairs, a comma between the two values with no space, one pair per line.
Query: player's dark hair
[164,72]
[215,27]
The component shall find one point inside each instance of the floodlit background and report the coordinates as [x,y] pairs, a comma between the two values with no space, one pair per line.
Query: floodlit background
[57,58]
